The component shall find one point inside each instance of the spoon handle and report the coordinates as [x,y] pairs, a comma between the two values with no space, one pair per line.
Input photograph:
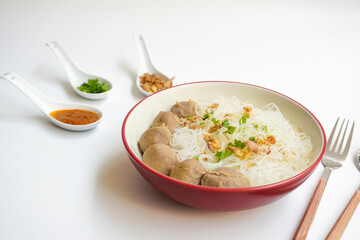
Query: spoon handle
[70,68]
[145,63]
[36,96]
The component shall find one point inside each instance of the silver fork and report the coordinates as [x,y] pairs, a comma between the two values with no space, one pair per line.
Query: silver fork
[333,155]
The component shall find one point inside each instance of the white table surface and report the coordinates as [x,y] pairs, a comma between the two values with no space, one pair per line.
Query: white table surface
[57,184]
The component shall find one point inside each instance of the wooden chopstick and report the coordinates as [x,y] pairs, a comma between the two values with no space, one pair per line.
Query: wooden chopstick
[341,223]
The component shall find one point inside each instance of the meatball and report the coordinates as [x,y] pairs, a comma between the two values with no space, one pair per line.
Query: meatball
[154,135]
[189,170]
[160,157]
[184,109]
[224,177]
[169,119]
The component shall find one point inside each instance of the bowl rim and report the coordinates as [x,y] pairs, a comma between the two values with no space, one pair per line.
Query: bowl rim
[270,186]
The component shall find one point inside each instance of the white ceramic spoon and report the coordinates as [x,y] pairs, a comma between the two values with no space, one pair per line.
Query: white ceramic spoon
[48,105]
[145,63]
[77,76]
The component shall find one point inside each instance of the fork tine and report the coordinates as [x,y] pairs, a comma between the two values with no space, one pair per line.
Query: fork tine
[332,135]
[343,138]
[334,147]
[348,143]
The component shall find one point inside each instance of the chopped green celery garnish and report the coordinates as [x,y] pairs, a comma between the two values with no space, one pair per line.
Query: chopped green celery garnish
[231,130]
[243,119]
[223,154]
[93,86]
[206,116]
[238,143]
[225,123]
[242,128]
[216,122]
[264,128]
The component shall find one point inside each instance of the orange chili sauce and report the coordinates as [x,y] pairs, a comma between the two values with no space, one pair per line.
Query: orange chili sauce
[75,116]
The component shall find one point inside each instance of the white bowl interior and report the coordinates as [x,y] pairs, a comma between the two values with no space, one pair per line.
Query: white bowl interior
[143,114]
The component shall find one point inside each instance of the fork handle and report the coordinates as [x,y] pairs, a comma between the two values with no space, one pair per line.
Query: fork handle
[340,225]
[310,212]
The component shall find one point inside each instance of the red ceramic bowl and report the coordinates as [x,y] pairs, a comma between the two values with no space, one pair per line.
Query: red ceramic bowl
[219,199]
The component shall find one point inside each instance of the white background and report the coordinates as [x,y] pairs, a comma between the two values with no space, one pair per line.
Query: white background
[57,184]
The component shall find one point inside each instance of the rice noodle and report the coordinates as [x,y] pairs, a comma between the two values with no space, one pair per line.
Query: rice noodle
[287,157]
